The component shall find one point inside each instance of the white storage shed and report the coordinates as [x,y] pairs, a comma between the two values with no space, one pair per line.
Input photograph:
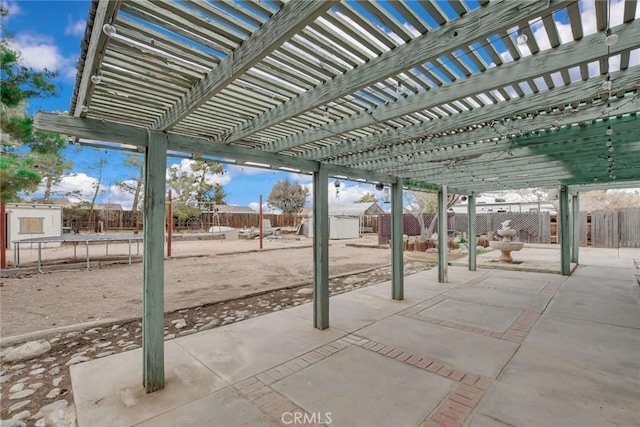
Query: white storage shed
[28,221]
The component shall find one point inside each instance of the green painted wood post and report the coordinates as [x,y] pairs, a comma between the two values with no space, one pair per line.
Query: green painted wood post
[473,241]
[397,232]
[565,242]
[321,248]
[153,263]
[442,235]
[575,209]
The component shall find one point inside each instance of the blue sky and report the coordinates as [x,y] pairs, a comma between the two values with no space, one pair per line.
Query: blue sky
[48,34]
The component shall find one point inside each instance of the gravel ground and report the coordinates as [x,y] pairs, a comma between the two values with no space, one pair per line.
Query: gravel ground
[37,392]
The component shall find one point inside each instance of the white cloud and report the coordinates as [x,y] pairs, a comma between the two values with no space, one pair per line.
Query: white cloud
[75,28]
[237,170]
[119,196]
[185,167]
[76,187]
[40,52]
[12,7]
[349,192]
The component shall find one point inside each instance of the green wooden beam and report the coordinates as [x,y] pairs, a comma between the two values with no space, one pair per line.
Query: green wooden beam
[442,235]
[293,17]
[429,46]
[379,146]
[105,10]
[565,242]
[321,249]
[102,130]
[575,228]
[469,144]
[397,231]
[567,55]
[153,263]
[473,241]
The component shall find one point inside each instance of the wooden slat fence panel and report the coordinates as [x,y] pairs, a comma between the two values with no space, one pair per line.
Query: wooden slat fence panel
[629,226]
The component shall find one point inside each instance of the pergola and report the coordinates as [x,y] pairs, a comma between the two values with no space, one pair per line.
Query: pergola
[463,96]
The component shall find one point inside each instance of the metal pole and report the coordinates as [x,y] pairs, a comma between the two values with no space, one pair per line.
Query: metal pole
[260,221]
[169,223]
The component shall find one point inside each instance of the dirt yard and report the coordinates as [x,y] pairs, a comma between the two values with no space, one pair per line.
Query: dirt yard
[209,272]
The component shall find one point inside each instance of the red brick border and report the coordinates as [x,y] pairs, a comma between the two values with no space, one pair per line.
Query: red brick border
[257,388]
[459,404]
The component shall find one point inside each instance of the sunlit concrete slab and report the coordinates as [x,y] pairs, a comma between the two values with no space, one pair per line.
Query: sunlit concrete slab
[223,408]
[501,296]
[481,316]
[608,275]
[361,388]
[465,350]
[413,294]
[609,301]
[609,258]
[237,351]
[570,372]
[108,392]
[354,310]
[517,283]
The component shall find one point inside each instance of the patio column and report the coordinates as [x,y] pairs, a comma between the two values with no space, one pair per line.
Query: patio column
[397,265]
[442,234]
[565,242]
[575,209]
[471,226]
[153,263]
[321,248]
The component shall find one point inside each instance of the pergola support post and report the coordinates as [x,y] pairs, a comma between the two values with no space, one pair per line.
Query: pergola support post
[397,264]
[575,235]
[321,248]
[471,226]
[565,241]
[442,234]
[153,263]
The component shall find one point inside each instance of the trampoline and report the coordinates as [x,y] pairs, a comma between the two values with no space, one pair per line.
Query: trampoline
[76,239]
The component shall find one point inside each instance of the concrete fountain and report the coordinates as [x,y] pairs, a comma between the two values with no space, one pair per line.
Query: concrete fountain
[506,246]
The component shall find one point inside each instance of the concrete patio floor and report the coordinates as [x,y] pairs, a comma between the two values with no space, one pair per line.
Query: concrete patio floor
[489,348]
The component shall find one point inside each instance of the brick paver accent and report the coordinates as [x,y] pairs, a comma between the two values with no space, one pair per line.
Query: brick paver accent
[459,404]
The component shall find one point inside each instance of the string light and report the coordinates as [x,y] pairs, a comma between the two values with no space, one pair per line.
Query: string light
[109,29]
[607,84]
[522,38]
[610,38]
[399,89]
[96,78]
[609,131]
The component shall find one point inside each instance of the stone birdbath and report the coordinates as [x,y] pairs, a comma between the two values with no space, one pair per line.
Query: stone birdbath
[506,246]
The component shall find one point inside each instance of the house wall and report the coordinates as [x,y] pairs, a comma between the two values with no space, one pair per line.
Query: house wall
[27,221]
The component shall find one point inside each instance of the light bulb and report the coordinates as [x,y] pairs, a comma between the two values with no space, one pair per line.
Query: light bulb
[522,38]
[84,109]
[610,38]
[96,79]
[399,89]
[325,113]
[611,149]
[109,30]
[609,143]
[556,123]
[607,84]
[609,131]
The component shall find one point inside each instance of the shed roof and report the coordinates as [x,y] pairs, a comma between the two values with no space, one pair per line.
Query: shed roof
[477,95]
[354,209]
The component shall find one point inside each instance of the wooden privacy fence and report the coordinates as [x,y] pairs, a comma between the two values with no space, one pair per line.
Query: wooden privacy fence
[532,227]
[126,220]
[611,229]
